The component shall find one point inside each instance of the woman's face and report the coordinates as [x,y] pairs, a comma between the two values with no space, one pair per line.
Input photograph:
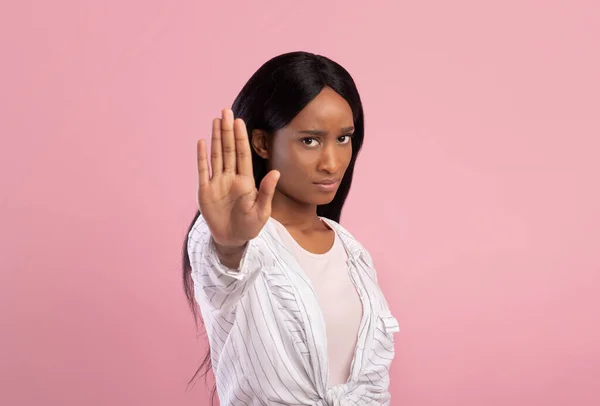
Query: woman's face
[314,150]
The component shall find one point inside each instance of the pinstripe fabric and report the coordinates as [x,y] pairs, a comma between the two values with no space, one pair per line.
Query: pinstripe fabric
[267,333]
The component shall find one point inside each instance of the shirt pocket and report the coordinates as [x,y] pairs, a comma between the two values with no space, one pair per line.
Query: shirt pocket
[385,328]
[390,324]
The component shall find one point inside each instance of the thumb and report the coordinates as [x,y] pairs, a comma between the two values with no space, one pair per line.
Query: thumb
[266,193]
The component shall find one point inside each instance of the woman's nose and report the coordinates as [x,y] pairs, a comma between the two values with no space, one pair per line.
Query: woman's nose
[329,161]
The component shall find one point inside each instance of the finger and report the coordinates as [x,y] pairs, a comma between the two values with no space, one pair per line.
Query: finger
[203,174]
[266,193]
[216,158]
[242,148]
[228,141]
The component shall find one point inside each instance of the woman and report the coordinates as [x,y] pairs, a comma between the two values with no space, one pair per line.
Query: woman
[289,299]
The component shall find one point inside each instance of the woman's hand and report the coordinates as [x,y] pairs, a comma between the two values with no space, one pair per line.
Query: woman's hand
[234,210]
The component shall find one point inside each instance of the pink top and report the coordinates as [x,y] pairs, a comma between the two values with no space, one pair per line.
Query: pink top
[338,298]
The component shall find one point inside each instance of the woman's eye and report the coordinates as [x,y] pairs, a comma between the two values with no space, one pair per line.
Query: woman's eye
[309,142]
[344,139]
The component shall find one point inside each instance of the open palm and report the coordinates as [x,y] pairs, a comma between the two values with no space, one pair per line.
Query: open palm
[234,210]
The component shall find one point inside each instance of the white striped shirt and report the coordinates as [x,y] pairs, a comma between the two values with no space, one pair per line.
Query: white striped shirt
[267,332]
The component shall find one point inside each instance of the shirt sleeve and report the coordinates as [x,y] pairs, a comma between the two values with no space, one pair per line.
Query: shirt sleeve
[215,283]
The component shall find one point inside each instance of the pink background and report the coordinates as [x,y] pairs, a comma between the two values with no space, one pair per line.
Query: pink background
[477,192]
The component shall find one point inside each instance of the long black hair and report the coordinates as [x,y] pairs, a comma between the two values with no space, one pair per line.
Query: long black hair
[272,97]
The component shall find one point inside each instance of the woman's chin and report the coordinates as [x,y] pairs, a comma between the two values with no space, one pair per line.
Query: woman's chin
[323,199]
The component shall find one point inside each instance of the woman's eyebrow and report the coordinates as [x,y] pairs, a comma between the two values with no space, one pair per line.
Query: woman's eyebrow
[314,132]
[318,133]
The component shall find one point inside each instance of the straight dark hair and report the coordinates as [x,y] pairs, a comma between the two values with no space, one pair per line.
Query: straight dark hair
[271,98]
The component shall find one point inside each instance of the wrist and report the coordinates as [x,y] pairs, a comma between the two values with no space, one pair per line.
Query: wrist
[229,249]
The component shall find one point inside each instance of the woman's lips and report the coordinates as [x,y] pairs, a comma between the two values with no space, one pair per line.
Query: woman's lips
[327,185]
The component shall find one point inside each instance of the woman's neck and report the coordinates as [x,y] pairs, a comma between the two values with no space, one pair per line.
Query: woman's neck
[295,214]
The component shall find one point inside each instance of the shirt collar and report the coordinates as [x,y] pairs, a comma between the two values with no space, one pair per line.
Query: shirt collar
[355,250]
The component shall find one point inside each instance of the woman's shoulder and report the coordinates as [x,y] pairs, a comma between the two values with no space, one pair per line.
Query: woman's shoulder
[347,237]
[338,228]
